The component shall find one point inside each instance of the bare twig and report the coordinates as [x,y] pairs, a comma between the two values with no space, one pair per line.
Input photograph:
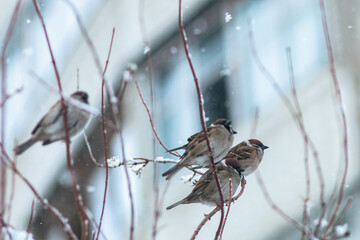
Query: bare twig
[341,110]
[66,226]
[10,95]
[4,95]
[202,117]
[305,222]
[90,151]
[208,216]
[112,100]
[296,117]
[67,136]
[277,209]
[93,222]
[227,211]
[104,135]
[31,219]
[151,121]
[344,211]
[204,221]
[243,183]
[12,193]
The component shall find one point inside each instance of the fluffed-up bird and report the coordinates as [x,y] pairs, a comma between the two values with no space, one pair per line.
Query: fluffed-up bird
[51,127]
[221,137]
[206,191]
[249,154]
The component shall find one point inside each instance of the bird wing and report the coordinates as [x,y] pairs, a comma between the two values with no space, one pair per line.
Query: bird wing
[241,153]
[207,182]
[52,116]
[198,141]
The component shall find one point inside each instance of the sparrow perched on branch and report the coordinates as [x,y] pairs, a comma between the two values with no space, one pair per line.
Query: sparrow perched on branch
[221,137]
[206,191]
[249,154]
[51,127]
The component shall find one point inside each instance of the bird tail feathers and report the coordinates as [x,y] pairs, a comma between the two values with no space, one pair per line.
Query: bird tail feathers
[175,149]
[176,204]
[172,171]
[23,147]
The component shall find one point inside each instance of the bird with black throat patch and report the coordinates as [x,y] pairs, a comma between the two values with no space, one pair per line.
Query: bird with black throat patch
[249,154]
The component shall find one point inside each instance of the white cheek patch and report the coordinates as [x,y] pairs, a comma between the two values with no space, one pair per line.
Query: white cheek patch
[248,143]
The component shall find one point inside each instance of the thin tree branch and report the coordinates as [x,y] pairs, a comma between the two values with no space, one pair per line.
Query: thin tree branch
[66,226]
[112,101]
[295,116]
[340,108]
[104,135]
[227,211]
[151,121]
[243,183]
[31,219]
[4,95]
[202,117]
[306,219]
[204,221]
[67,135]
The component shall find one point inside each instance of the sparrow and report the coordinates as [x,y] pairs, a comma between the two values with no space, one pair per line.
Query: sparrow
[249,154]
[221,137]
[51,127]
[206,191]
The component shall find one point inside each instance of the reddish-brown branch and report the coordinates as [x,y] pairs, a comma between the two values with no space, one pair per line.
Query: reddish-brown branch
[7,39]
[31,219]
[9,95]
[204,221]
[341,110]
[243,183]
[112,100]
[95,225]
[202,117]
[300,119]
[67,136]
[67,228]
[343,213]
[104,135]
[295,116]
[151,121]
[90,152]
[208,216]
[227,211]
[276,208]
[12,193]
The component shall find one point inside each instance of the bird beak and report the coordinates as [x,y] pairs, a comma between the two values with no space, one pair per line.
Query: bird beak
[233,131]
[265,147]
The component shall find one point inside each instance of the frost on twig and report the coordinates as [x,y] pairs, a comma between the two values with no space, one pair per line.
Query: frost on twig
[113,162]
[341,231]
[129,72]
[324,223]
[194,177]
[137,165]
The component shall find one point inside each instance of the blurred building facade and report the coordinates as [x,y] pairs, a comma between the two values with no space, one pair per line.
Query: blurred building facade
[233,87]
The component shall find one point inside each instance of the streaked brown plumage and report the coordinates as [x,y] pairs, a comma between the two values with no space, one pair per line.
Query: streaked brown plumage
[206,191]
[220,135]
[249,154]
